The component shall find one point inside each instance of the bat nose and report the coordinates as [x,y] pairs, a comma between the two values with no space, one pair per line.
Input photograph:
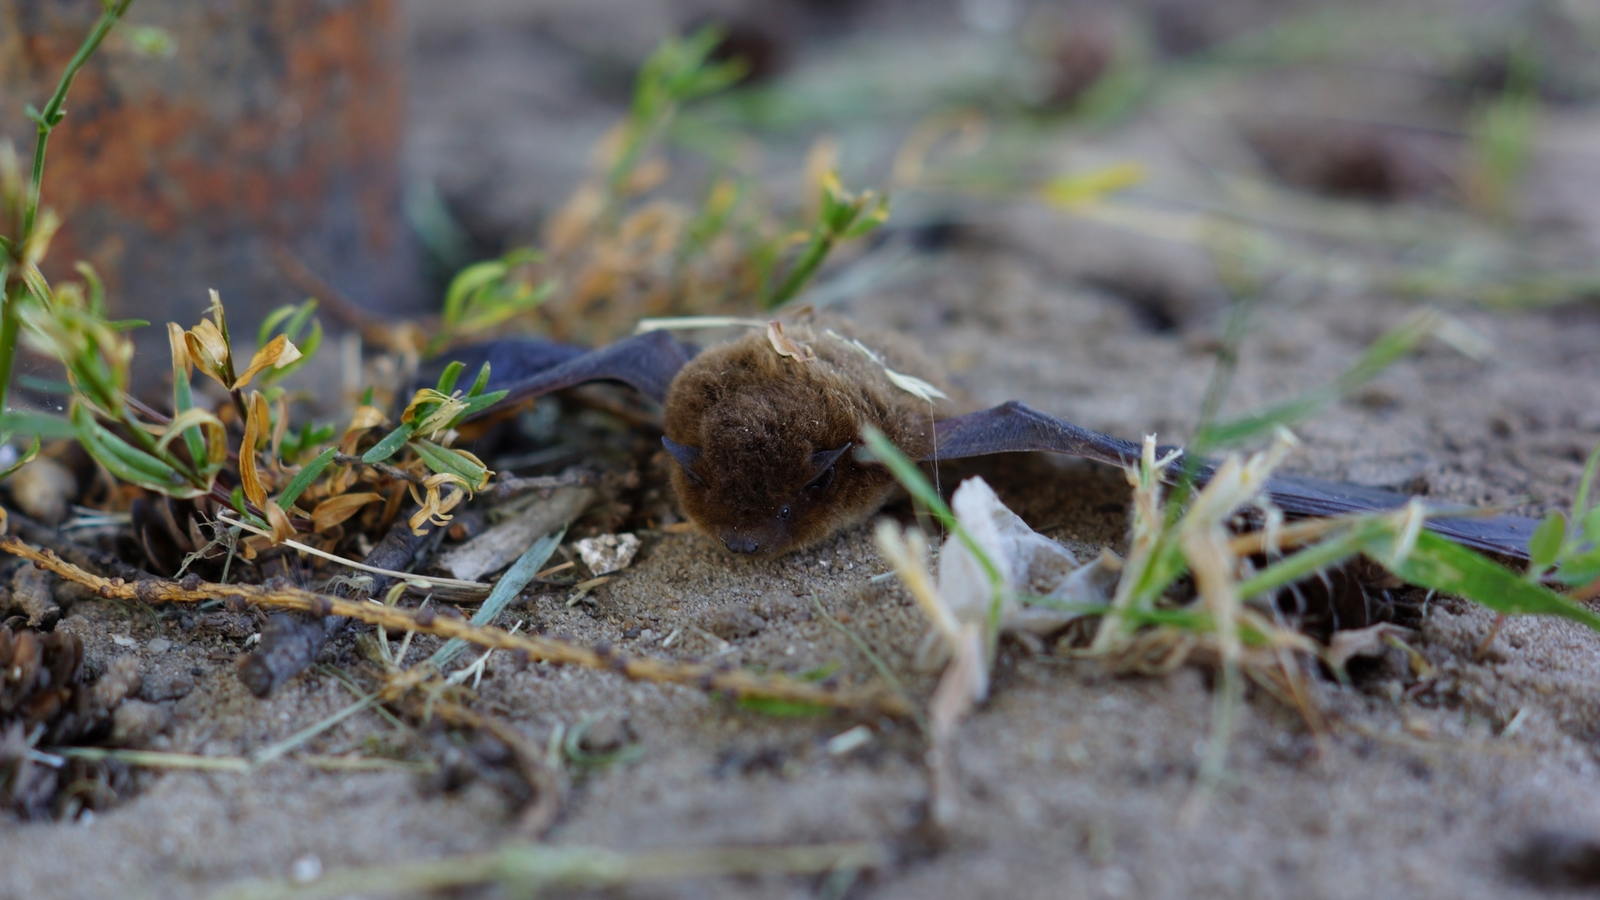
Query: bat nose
[741,544]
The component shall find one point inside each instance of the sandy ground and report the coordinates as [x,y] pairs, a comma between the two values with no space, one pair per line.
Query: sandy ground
[1073,783]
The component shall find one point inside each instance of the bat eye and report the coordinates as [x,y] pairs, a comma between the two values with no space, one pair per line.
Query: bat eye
[784,513]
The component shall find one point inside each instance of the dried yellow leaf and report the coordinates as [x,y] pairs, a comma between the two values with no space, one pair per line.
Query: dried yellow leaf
[278,352]
[209,350]
[334,510]
[282,528]
[785,345]
[436,504]
[181,360]
[280,428]
[366,417]
[255,428]
[186,420]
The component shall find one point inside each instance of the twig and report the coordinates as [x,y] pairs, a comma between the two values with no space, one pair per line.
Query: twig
[348,313]
[531,869]
[602,656]
[507,488]
[84,557]
[345,459]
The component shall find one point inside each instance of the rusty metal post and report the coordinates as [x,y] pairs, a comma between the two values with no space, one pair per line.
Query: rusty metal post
[269,134]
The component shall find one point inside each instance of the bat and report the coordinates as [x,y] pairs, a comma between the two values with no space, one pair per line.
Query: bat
[762,429]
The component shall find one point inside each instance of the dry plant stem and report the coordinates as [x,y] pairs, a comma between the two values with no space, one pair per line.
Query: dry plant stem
[541,649]
[78,554]
[507,488]
[394,472]
[373,329]
[331,557]
[528,870]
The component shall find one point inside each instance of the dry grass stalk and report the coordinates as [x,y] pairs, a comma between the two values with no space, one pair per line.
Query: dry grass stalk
[536,648]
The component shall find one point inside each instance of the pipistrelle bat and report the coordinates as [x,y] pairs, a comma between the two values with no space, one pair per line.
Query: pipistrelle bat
[763,428]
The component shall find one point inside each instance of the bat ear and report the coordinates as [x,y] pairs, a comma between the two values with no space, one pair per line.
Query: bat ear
[686,457]
[825,458]
[822,461]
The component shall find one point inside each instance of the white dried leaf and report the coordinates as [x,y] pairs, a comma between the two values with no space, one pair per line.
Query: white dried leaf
[911,384]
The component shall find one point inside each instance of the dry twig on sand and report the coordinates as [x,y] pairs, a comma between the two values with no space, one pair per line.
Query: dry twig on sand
[536,648]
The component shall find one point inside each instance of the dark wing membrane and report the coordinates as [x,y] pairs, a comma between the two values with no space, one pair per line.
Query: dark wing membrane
[529,368]
[1504,535]
[1014,427]
[510,360]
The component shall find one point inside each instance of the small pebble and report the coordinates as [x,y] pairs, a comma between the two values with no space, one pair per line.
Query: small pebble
[608,553]
[734,623]
[306,869]
[159,645]
[43,489]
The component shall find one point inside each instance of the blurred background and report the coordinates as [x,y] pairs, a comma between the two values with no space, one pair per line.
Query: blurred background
[365,152]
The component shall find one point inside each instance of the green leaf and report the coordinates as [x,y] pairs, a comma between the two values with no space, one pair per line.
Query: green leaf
[447,379]
[96,288]
[27,457]
[478,404]
[1580,506]
[468,282]
[1317,557]
[1545,545]
[390,445]
[822,672]
[1581,569]
[122,459]
[1591,525]
[505,590]
[776,706]
[306,476]
[39,424]
[870,222]
[481,382]
[1382,353]
[447,461]
[1445,566]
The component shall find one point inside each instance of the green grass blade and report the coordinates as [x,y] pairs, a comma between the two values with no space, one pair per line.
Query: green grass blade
[505,591]
[446,461]
[390,445]
[1450,568]
[300,482]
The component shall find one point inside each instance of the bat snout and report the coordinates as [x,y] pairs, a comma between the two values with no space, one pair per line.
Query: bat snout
[741,544]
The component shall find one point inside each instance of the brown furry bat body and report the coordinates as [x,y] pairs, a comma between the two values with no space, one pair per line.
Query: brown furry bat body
[763,428]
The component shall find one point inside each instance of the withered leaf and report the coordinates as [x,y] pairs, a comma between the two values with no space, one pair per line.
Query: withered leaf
[335,510]
[278,352]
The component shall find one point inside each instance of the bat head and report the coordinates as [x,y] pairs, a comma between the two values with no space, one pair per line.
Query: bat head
[763,428]
[770,472]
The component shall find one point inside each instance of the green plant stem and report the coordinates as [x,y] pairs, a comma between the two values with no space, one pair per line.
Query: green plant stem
[816,251]
[148,443]
[51,115]
[10,325]
[47,119]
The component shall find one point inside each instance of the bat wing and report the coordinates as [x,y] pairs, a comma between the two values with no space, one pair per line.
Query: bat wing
[1015,427]
[529,368]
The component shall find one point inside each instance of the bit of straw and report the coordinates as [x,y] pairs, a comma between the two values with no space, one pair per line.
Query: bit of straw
[425,581]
